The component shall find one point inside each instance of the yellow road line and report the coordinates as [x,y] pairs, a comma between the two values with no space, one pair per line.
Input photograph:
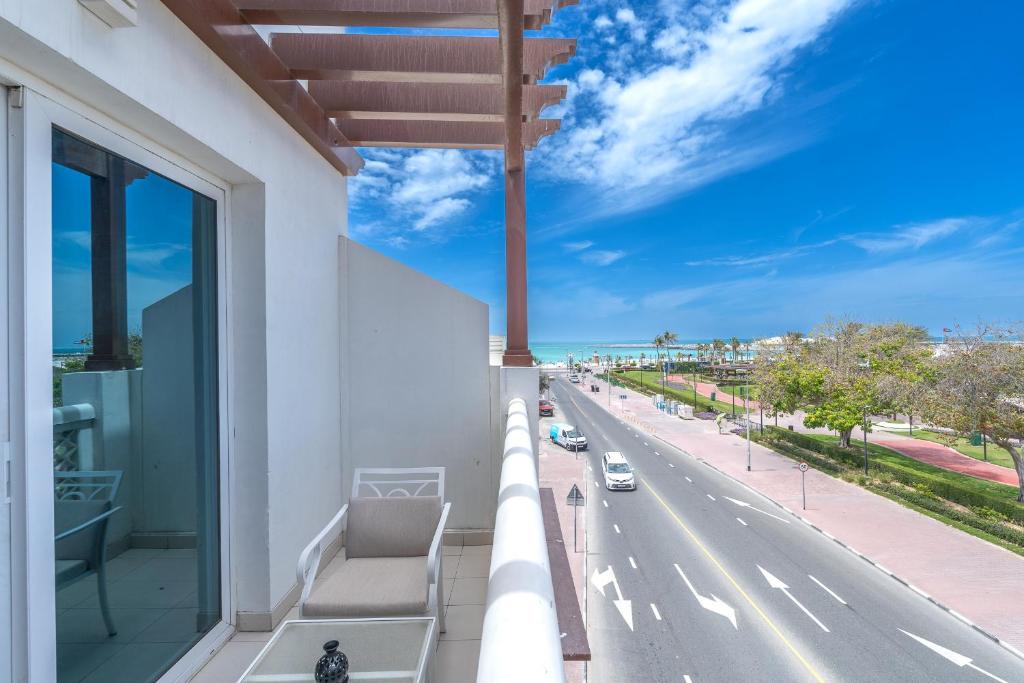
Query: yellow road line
[771,624]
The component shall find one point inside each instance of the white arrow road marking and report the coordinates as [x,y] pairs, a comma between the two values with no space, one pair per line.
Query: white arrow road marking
[657,614]
[774,582]
[828,590]
[713,604]
[687,679]
[954,657]
[625,607]
[748,505]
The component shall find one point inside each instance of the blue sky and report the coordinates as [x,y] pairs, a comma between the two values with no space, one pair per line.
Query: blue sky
[743,167]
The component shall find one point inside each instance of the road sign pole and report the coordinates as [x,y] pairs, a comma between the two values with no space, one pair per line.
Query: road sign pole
[574,518]
[803,483]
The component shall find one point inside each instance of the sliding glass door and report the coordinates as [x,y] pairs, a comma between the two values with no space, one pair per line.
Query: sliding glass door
[135,421]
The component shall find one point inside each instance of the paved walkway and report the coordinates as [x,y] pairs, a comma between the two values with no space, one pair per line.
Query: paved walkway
[705,389]
[977,579]
[559,469]
[947,458]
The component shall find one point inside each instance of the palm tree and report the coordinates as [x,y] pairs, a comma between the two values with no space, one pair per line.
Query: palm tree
[735,344]
[668,339]
[718,345]
[746,347]
[659,342]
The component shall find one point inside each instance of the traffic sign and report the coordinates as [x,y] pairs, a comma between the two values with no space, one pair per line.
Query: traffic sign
[575,497]
[622,397]
[803,467]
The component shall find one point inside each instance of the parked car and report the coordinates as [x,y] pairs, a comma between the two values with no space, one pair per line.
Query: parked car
[547,408]
[574,378]
[568,437]
[617,472]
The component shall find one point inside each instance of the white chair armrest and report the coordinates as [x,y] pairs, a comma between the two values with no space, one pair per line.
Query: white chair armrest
[435,544]
[309,560]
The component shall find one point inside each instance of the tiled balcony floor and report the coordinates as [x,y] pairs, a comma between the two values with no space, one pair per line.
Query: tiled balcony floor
[152,596]
[465,569]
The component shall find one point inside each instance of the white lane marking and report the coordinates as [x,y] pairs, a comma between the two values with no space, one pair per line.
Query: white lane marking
[689,480]
[955,657]
[710,496]
[632,562]
[625,607]
[828,590]
[596,485]
[775,582]
[657,453]
[741,521]
[590,468]
[605,503]
[646,444]
[713,604]
[616,528]
[671,465]
[657,614]
[637,435]
[748,505]
[687,679]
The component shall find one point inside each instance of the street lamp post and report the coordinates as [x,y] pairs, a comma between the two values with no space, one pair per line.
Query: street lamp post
[746,400]
[865,440]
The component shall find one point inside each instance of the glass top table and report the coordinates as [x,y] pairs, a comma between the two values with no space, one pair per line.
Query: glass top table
[382,650]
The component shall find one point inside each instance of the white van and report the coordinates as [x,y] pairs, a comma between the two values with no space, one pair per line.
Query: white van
[617,472]
[568,437]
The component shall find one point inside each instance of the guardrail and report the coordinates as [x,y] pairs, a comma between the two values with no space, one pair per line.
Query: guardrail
[520,640]
[70,451]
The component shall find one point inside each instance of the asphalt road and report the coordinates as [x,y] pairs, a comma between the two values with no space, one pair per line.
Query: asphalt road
[693,577]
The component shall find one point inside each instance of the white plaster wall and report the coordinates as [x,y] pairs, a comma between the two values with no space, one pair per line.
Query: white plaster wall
[167,486]
[158,85]
[417,380]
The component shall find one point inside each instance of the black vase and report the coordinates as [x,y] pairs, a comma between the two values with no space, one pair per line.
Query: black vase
[332,667]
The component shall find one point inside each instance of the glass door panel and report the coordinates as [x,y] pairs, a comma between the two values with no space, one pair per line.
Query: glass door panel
[136,504]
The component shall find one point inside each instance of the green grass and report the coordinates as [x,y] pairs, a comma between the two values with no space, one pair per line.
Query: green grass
[891,457]
[652,383]
[996,455]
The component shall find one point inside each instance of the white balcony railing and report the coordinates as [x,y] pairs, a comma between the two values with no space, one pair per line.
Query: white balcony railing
[520,640]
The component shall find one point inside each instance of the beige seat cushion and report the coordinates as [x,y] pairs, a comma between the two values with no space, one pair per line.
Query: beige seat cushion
[391,527]
[370,587]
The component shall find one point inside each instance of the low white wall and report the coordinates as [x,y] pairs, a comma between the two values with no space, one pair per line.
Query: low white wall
[417,380]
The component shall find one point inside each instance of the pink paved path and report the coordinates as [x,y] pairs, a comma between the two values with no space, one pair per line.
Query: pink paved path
[559,470]
[977,579]
[947,458]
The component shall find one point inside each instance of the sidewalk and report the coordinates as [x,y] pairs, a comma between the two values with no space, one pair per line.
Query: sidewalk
[976,579]
[946,458]
[559,469]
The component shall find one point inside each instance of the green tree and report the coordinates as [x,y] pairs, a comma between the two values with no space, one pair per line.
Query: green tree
[719,347]
[978,386]
[659,344]
[734,343]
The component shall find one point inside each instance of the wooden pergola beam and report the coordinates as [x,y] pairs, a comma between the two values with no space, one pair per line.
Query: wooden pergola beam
[446,14]
[405,58]
[445,134]
[428,101]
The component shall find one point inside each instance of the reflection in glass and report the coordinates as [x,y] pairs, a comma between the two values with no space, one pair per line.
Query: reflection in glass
[136,521]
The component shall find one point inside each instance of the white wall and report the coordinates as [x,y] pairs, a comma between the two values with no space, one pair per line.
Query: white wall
[417,380]
[158,86]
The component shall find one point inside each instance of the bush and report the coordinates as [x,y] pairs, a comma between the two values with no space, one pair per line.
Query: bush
[936,486]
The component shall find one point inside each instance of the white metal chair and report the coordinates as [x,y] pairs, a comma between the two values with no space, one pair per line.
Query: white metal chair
[392,563]
[83,503]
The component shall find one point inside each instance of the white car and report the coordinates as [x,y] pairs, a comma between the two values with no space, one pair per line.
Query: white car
[617,472]
[575,379]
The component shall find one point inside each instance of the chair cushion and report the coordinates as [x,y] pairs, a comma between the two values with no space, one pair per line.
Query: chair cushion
[68,570]
[371,587]
[391,527]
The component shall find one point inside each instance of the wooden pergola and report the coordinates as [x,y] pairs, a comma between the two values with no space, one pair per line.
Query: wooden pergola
[374,90]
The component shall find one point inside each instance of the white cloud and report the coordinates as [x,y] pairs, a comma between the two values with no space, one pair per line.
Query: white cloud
[601,257]
[664,129]
[418,191]
[912,235]
[603,22]
[578,246]
[674,298]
